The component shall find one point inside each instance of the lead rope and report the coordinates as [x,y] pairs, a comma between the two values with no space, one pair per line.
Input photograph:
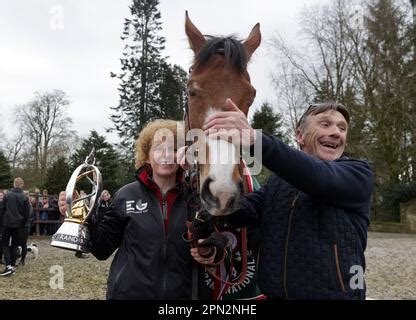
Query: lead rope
[247,187]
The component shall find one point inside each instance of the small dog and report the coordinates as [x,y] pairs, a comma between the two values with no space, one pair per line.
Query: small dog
[33,249]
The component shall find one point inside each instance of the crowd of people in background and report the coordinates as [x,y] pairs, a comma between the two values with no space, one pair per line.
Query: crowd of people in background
[36,213]
[24,214]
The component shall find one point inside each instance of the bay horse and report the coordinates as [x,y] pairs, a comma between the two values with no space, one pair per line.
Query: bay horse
[218,72]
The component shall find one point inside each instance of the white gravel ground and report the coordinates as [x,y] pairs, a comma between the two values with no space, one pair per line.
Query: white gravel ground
[391,266]
[390,274]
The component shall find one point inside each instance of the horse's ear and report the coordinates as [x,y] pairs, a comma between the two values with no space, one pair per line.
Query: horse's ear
[195,37]
[253,41]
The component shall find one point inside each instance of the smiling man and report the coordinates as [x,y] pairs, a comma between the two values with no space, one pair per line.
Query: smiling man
[313,212]
[322,131]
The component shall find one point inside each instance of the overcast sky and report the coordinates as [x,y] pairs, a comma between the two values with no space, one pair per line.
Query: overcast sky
[73,45]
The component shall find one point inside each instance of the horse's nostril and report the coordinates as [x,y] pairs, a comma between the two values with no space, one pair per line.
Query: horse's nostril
[207,195]
[231,203]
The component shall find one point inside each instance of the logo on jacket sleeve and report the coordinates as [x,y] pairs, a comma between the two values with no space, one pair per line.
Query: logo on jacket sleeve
[133,206]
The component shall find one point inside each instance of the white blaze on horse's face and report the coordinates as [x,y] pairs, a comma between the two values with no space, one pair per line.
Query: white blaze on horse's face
[219,190]
[219,71]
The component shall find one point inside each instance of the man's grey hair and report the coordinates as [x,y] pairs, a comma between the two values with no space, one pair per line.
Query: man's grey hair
[318,108]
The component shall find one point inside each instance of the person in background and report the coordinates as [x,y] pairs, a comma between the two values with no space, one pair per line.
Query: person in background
[105,199]
[14,211]
[54,215]
[1,227]
[44,203]
[24,233]
[33,199]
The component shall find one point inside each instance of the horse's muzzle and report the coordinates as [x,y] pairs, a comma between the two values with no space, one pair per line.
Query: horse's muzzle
[222,203]
[207,197]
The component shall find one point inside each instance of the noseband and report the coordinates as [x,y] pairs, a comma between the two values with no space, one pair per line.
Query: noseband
[202,225]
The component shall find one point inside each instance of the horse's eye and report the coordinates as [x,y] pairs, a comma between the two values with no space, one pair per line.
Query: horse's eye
[191,93]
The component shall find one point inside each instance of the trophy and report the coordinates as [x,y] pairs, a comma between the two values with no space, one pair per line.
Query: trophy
[73,233]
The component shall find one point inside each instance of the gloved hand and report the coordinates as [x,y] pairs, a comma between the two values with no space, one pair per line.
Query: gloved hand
[216,240]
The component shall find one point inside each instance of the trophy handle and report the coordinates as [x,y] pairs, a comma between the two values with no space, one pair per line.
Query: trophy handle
[73,234]
[96,183]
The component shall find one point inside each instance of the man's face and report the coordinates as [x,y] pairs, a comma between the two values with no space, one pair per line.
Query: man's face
[324,135]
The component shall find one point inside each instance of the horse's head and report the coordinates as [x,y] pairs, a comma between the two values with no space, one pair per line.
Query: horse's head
[219,71]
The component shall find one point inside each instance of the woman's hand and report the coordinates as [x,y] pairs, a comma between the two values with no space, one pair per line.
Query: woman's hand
[202,260]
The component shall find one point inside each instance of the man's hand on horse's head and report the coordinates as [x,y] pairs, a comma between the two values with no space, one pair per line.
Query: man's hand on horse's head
[230,125]
[231,106]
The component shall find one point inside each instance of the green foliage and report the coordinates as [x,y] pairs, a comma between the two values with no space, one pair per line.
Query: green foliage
[149,88]
[172,90]
[366,60]
[397,193]
[106,160]
[5,175]
[57,176]
[269,121]
[126,167]
[389,47]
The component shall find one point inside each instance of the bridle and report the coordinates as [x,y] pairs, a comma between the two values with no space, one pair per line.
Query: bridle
[203,216]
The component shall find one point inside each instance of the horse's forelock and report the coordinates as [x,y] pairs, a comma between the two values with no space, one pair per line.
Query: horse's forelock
[231,48]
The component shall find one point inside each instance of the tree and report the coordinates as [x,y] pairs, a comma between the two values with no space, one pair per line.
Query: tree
[140,62]
[46,129]
[412,83]
[292,94]
[14,150]
[172,89]
[106,160]
[324,66]
[362,57]
[5,175]
[387,94]
[149,87]
[57,176]
[269,121]
[321,70]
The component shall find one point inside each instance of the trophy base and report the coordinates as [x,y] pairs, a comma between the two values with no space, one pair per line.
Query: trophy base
[72,236]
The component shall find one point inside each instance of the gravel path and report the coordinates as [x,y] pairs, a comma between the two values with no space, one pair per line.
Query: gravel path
[390,274]
[56,275]
[391,266]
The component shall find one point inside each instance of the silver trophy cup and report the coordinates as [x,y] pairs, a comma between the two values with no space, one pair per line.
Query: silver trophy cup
[73,233]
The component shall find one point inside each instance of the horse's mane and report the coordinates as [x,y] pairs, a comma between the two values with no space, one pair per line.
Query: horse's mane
[231,48]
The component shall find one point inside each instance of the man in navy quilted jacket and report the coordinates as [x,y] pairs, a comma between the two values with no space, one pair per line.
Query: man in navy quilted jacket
[313,212]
